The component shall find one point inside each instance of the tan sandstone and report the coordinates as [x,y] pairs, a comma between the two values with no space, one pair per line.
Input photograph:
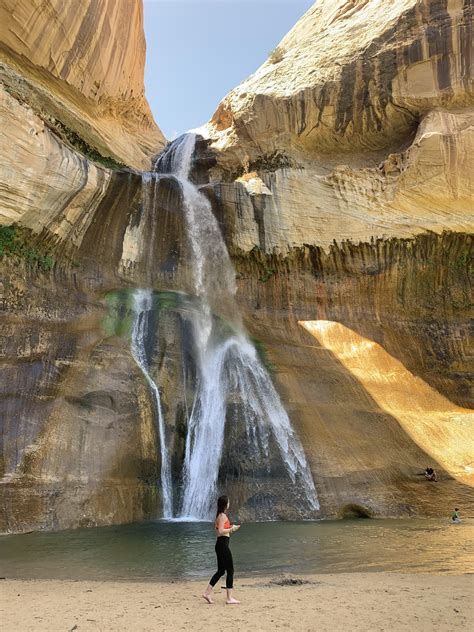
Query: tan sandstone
[360,125]
[81,64]
[344,188]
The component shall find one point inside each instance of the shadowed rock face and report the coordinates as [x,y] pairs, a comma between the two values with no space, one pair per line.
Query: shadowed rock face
[418,290]
[78,439]
[373,401]
[348,226]
[80,444]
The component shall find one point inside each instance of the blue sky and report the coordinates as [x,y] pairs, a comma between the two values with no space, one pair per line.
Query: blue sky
[198,50]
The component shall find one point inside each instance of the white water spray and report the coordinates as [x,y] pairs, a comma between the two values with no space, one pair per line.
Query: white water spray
[142,307]
[224,364]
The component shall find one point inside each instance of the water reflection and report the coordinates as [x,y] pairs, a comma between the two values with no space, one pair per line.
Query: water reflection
[157,550]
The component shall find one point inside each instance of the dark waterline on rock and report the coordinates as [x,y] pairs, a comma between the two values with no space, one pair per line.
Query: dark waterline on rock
[174,551]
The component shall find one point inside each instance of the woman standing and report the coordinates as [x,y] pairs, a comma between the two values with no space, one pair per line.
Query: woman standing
[224,556]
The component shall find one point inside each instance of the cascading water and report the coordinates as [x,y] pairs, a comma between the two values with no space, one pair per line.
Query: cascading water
[142,307]
[225,362]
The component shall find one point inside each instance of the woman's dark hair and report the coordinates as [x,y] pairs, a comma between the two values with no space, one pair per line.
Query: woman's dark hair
[222,503]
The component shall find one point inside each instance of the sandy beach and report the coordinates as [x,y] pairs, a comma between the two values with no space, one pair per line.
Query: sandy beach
[358,601]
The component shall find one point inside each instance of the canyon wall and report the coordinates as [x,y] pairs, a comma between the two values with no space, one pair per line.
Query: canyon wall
[371,348]
[77,441]
[341,176]
[355,132]
[79,66]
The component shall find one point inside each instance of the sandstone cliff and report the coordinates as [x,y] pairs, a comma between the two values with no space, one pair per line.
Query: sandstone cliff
[341,176]
[73,110]
[73,113]
[334,166]
[370,345]
[79,66]
[360,124]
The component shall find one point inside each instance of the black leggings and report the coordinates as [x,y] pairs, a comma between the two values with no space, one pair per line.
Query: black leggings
[224,562]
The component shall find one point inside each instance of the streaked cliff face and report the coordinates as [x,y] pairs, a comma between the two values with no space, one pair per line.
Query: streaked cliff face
[346,193]
[79,66]
[341,177]
[371,348]
[360,127]
[73,116]
[350,77]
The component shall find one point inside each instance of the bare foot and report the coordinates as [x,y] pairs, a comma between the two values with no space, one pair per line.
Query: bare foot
[207,598]
[232,601]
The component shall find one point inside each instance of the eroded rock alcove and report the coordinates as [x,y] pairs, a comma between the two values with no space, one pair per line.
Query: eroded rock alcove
[341,177]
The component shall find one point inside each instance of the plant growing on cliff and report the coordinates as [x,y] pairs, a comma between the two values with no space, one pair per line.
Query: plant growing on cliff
[263,355]
[276,56]
[266,163]
[463,261]
[267,274]
[119,318]
[79,144]
[16,242]
[7,239]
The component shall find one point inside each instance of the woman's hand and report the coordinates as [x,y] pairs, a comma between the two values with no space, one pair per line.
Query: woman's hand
[234,528]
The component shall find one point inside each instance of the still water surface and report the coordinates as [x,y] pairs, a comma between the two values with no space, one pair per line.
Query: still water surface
[164,550]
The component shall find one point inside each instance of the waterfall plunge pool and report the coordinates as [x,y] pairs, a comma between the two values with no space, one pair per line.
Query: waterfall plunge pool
[179,550]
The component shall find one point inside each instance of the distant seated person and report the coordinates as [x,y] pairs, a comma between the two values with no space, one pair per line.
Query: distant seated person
[430,474]
[456,517]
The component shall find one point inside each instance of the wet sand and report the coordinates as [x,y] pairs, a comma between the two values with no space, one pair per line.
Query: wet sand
[356,601]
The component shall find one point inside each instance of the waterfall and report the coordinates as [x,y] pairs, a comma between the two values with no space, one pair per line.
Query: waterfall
[225,362]
[142,307]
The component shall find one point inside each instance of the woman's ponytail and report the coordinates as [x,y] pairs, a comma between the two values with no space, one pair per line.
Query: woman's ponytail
[222,503]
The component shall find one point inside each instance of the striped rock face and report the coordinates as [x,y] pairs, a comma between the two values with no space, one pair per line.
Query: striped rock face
[359,125]
[80,66]
[341,177]
[358,131]
[351,76]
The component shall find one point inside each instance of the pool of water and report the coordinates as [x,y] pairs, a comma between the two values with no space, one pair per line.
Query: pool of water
[165,550]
